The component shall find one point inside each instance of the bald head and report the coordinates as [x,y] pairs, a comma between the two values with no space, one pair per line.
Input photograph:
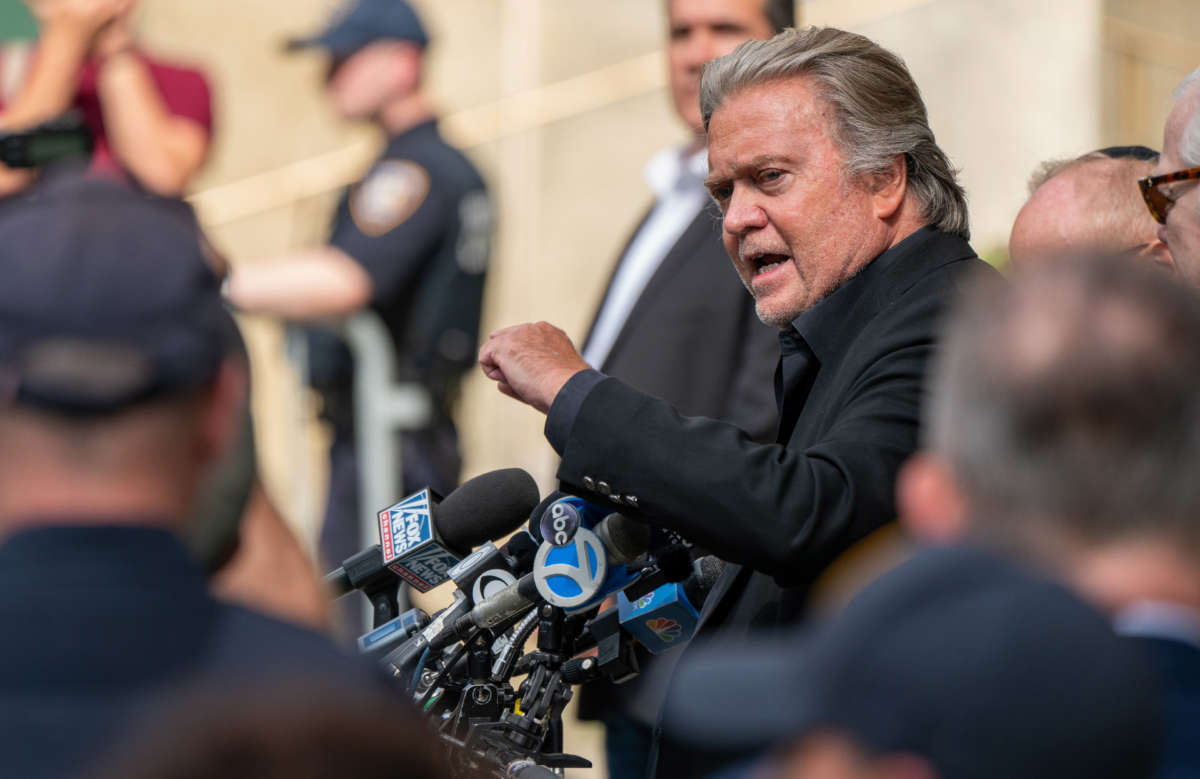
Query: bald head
[1087,205]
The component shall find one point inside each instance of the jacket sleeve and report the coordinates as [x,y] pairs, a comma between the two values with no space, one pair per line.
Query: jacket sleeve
[784,510]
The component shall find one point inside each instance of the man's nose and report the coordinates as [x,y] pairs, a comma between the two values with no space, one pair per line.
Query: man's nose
[743,213]
[701,47]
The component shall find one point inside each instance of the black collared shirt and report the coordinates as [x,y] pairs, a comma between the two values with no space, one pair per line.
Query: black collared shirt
[813,338]
[816,335]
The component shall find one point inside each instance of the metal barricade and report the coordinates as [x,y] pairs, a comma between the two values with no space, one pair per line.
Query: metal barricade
[383,408]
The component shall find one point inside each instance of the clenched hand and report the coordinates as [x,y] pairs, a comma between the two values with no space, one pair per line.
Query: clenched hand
[530,362]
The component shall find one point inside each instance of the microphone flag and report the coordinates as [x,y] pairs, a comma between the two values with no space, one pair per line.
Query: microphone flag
[410,546]
[659,620]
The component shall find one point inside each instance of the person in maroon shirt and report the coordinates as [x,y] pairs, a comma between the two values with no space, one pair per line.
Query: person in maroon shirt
[150,122]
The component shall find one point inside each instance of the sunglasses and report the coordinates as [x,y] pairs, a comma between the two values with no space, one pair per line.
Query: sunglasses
[1159,202]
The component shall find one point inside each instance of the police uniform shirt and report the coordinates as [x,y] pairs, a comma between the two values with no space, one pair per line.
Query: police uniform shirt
[420,224]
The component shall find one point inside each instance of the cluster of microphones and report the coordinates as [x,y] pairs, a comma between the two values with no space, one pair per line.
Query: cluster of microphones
[564,559]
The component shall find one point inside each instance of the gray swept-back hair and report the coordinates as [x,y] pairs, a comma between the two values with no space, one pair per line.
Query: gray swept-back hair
[878,108]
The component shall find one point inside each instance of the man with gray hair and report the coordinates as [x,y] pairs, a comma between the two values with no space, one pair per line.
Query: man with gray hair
[845,221]
[1088,203]
[1064,428]
[1173,181]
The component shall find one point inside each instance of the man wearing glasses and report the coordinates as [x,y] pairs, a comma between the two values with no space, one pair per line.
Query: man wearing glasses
[1088,204]
[1170,193]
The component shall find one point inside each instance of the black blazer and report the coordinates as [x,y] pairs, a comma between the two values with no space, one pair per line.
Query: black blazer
[786,509]
[693,338]
[780,513]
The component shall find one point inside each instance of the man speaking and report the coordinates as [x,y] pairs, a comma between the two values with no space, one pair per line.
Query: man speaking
[845,221]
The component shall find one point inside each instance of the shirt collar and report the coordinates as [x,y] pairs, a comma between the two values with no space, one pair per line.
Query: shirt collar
[672,171]
[821,326]
[1159,619]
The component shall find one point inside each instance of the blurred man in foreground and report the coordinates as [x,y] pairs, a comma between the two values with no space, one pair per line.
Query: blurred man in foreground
[1064,429]
[1088,204]
[955,665]
[306,730]
[850,230]
[411,242]
[117,390]
[1170,191]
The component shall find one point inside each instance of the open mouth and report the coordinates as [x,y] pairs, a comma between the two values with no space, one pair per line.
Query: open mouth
[765,263]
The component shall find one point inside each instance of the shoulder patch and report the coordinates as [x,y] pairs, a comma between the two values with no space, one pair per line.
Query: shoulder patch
[388,196]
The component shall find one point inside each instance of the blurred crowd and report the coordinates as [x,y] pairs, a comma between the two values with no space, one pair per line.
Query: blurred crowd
[955,503]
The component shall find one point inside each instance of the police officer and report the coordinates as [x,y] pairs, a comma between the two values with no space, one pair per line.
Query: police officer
[410,241]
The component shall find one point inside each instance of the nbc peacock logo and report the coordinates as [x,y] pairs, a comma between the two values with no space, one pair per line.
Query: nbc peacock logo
[666,629]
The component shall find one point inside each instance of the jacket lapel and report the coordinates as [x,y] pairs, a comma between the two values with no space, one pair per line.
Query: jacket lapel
[729,575]
[613,274]
[694,236]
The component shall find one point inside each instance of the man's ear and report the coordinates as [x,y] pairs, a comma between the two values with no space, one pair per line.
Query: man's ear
[1158,253]
[223,408]
[888,187]
[929,501]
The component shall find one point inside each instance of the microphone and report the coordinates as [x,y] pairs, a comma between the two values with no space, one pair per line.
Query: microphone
[488,570]
[361,571]
[421,539]
[614,541]
[665,617]
[578,575]
[399,629]
[557,518]
[481,577]
[439,633]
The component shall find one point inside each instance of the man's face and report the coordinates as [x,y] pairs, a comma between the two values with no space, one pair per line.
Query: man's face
[794,227]
[702,30]
[361,84]
[1181,233]
[1075,212]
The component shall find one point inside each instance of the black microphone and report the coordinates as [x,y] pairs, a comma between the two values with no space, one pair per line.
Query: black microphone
[489,569]
[705,572]
[622,540]
[489,506]
[527,769]
[420,539]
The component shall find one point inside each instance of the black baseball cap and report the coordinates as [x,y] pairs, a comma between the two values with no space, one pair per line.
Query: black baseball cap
[1141,153]
[107,298]
[987,671]
[360,22]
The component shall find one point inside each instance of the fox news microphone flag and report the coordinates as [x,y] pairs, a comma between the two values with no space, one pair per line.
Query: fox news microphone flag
[422,540]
